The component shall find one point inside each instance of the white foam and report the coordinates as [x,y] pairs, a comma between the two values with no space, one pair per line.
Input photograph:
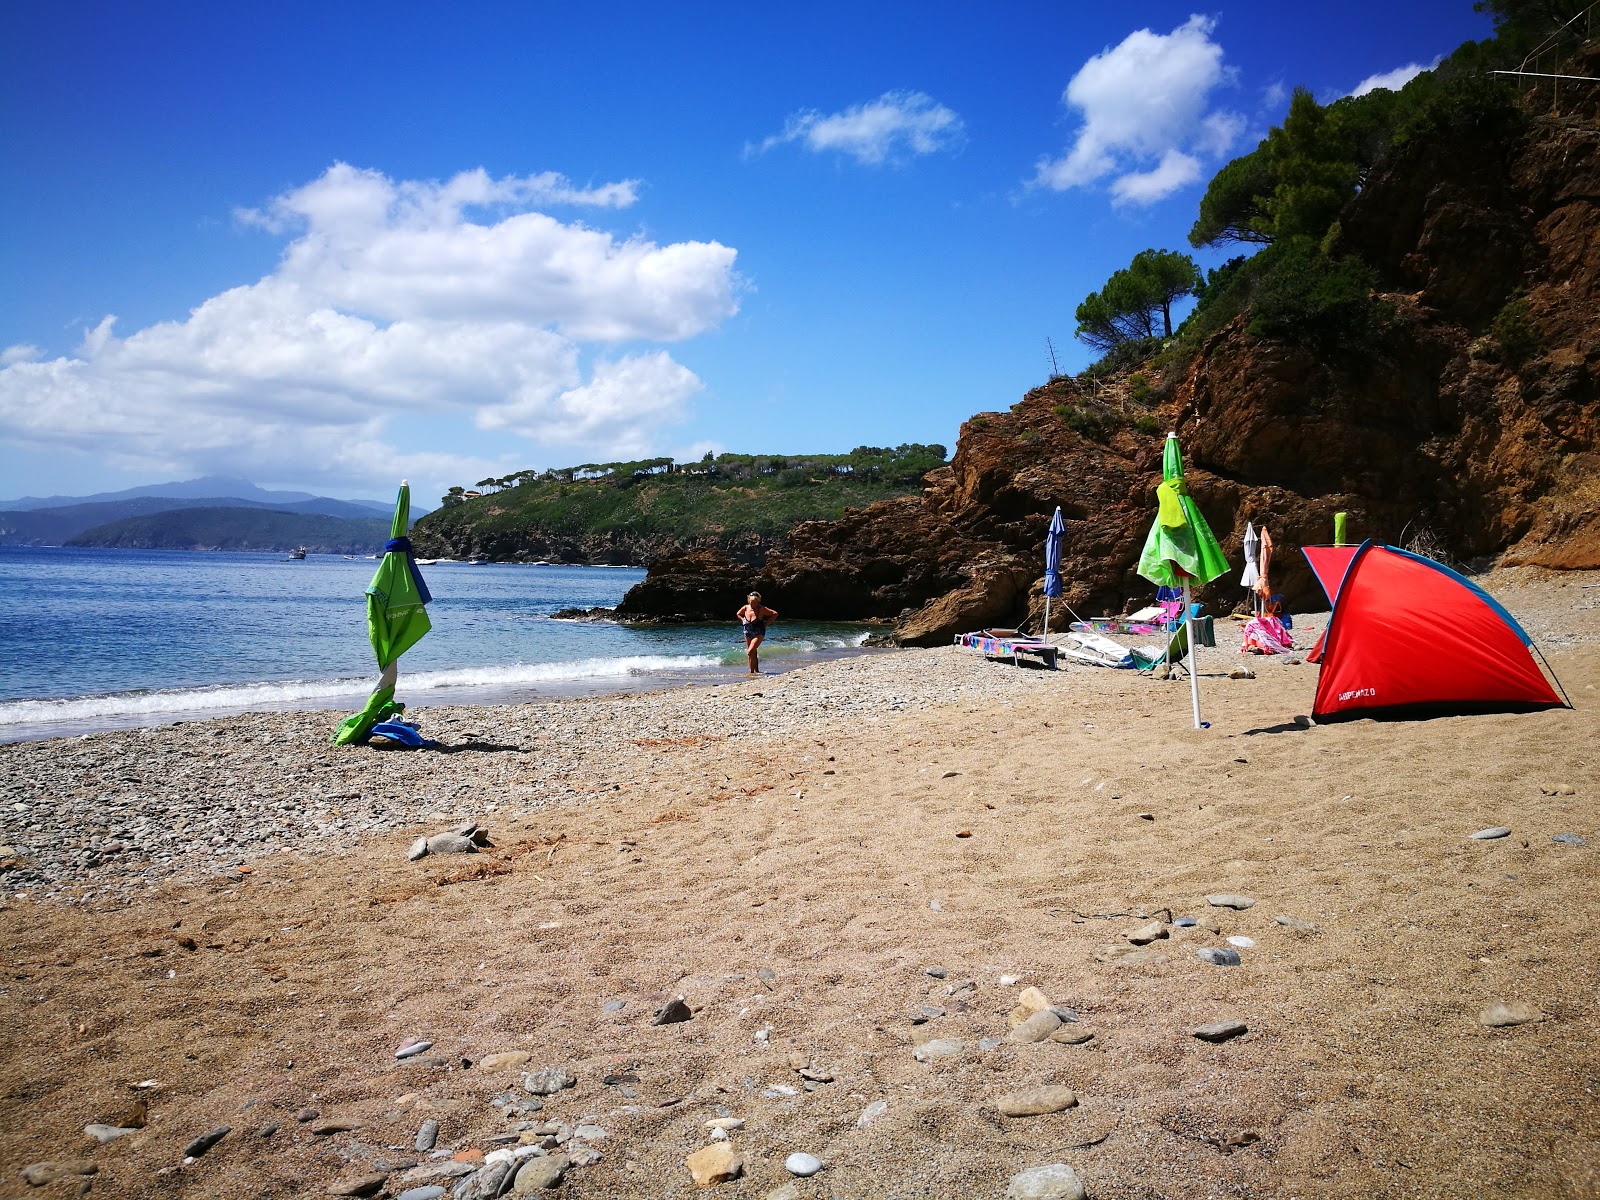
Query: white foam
[290,693]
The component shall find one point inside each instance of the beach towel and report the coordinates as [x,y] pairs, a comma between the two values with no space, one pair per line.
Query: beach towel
[1266,635]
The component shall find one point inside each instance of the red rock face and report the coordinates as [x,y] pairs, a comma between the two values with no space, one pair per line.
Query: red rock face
[1433,430]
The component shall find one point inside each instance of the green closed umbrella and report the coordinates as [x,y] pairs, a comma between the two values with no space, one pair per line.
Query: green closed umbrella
[1181,549]
[397,619]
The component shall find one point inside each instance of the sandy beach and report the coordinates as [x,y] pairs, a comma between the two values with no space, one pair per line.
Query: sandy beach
[850,874]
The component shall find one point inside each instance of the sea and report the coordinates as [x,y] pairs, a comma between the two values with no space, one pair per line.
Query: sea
[98,639]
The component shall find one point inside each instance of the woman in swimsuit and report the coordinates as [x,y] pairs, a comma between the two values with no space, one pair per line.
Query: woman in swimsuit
[754,617]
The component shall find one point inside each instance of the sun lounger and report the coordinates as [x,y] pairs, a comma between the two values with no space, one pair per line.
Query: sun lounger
[1009,643]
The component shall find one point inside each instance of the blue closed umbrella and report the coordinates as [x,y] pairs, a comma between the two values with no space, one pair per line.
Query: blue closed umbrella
[1052,563]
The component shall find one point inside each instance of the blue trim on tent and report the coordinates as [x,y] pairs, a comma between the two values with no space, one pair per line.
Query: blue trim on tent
[1465,582]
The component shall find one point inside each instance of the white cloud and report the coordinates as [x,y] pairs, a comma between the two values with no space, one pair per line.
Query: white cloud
[1393,80]
[21,352]
[1175,170]
[1146,101]
[892,127]
[390,303]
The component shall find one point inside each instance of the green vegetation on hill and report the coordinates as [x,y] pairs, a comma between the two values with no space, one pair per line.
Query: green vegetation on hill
[1282,202]
[238,529]
[628,510]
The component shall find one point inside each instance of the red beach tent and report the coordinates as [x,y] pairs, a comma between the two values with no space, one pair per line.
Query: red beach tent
[1409,636]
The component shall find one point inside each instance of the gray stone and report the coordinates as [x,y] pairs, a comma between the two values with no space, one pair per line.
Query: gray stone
[936,972]
[938,1048]
[267,1130]
[785,1191]
[802,1164]
[871,1113]
[1185,922]
[990,1043]
[205,1141]
[673,1012]
[537,1174]
[107,1133]
[40,1173]
[412,1049]
[1569,839]
[431,1191]
[1221,1031]
[613,1006]
[926,1013]
[419,848]
[548,1081]
[1057,1181]
[1036,1101]
[1229,900]
[427,1136]
[1218,956]
[590,1133]
[1504,1013]
[1075,1035]
[484,1184]
[1035,1029]
[1146,934]
[360,1185]
[451,843]
[1296,923]
[1493,832]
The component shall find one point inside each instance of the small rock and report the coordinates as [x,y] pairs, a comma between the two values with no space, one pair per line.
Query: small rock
[1057,1181]
[613,1006]
[1147,816]
[949,774]
[936,972]
[1569,839]
[938,1048]
[1218,956]
[329,1128]
[714,1164]
[1291,661]
[1036,1028]
[361,1185]
[1146,934]
[504,1060]
[1036,1101]
[926,1013]
[1505,1013]
[306,1115]
[412,1049]
[427,1136]
[1220,1031]
[1241,673]
[672,1013]
[1073,1036]
[871,1113]
[267,1130]
[803,1165]
[537,1174]
[1230,900]
[548,1081]
[1296,923]
[725,1123]
[990,1043]
[107,1133]
[431,1191]
[1185,922]
[786,1191]
[40,1173]
[816,1074]
[1490,834]
[205,1141]
[418,849]
[1244,943]
[485,1183]
[451,843]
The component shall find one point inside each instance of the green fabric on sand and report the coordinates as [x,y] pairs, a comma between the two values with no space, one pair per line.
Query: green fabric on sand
[379,708]
[1184,551]
[396,618]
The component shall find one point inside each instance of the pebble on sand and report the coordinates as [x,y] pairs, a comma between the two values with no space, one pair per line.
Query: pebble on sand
[1036,1101]
[411,1049]
[1493,832]
[673,1012]
[107,1133]
[1218,956]
[430,1191]
[360,1185]
[938,1048]
[1056,1181]
[1036,1028]
[205,1141]
[1221,1031]
[714,1164]
[1073,1035]
[871,1113]
[41,1173]
[802,1164]
[1230,900]
[1505,1013]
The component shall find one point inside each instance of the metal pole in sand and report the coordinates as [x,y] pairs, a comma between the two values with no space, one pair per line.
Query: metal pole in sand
[1194,678]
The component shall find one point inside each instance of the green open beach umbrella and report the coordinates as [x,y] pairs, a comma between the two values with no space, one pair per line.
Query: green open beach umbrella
[1181,549]
[397,618]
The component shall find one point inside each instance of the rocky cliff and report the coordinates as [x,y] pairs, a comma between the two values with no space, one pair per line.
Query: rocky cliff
[1469,417]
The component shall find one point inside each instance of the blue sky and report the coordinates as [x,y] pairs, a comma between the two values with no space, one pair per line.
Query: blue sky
[344,243]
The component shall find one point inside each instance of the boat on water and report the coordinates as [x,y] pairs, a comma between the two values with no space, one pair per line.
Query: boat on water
[296,555]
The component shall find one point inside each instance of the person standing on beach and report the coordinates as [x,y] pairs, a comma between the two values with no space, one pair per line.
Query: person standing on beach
[754,616]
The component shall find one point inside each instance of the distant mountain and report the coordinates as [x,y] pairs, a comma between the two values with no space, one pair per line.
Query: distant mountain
[238,528]
[57,526]
[211,487]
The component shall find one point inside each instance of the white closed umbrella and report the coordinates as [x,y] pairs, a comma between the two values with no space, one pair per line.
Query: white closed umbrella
[1252,570]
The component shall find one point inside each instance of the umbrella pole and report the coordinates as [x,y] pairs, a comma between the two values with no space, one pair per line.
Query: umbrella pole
[1047,617]
[1194,679]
